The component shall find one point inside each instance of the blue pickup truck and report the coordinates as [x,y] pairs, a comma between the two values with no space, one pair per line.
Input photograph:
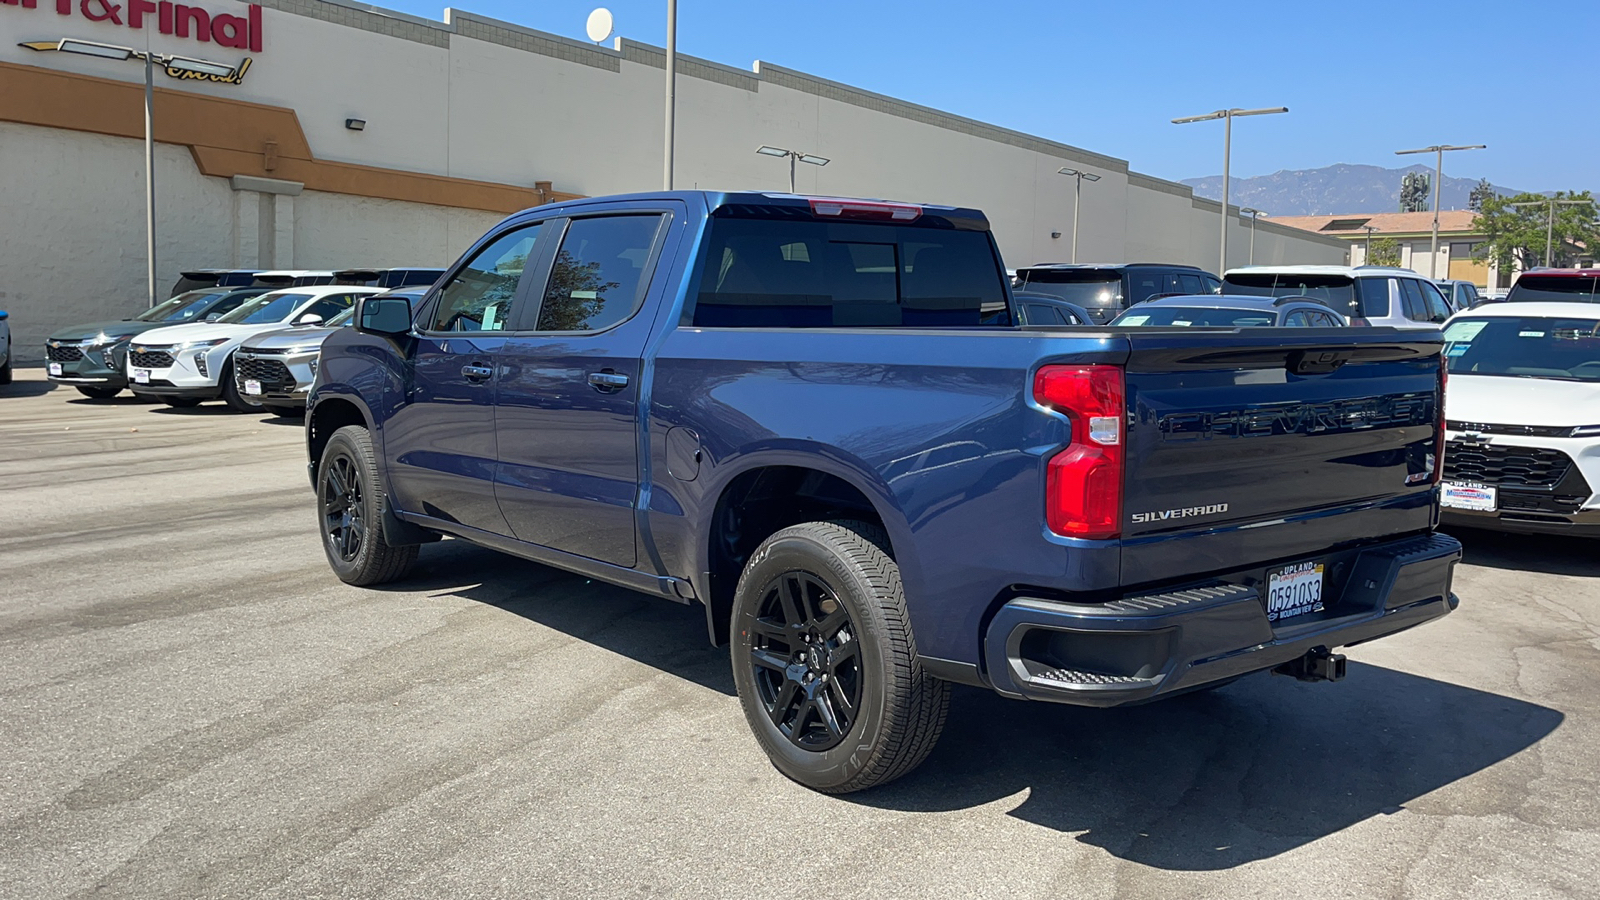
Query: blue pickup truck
[817,419]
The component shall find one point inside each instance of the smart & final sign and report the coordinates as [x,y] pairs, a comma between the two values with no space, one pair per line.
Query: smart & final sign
[236,32]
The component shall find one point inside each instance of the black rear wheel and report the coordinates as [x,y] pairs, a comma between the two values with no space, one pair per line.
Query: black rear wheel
[350,512]
[825,661]
[98,393]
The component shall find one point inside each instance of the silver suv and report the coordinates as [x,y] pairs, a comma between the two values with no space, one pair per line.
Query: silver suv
[1364,295]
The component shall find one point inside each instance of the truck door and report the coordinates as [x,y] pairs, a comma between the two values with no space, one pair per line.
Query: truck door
[567,405]
[439,441]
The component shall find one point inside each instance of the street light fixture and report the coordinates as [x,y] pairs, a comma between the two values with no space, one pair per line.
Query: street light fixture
[180,63]
[1078,178]
[1227,116]
[1550,228]
[1438,176]
[793,155]
[1254,215]
[1366,247]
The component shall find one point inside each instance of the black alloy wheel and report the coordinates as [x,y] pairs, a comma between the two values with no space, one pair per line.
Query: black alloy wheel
[350,512]
[344,526]
[806,660]
[98,393]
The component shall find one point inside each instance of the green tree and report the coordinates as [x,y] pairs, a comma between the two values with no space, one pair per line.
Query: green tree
[1517,235]
[1383,252]
[1481,192]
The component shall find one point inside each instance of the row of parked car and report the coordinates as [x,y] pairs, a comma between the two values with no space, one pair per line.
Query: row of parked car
[1294,296]
[246,337]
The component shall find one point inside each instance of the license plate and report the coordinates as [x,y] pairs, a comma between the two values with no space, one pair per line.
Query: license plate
[253,388]
[1294,591]
[1468,495]
[141,376]
[55,368]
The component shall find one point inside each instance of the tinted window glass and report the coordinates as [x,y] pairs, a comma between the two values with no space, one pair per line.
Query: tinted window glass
[1438,310]
[1560,288]
[1374,294]
[265,309]
[230,303]
[1411,296]
[479,297]
[809,274]
[1213,286]
[1337,291]
[1323,320]
[1085,287]
[1191,284]
[1298,319]
[1183,316]
[1525,347]
[178,309]
[328,307]
[598,275]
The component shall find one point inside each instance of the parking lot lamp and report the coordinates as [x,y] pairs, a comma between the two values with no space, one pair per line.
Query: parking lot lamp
[1227,116]
[794,156]
[1254,215]
[180,63]
[672,91]
[1078,178]
[1438,176]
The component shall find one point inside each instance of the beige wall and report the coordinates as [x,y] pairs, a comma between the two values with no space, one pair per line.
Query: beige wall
[477,99]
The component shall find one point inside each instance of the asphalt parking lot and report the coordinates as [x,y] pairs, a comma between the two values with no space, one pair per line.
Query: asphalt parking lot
[191,705]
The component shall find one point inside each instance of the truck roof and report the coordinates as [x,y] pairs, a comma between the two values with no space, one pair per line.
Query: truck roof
[848,207]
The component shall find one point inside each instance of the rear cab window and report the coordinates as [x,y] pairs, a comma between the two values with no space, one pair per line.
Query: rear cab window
[796,273]
[1558,288]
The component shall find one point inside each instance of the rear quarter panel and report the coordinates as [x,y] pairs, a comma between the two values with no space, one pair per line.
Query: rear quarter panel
[934,427]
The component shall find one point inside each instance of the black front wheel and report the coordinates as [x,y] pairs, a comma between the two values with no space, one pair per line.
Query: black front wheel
[350,512]
[825,662]
[237,400]
[98,393]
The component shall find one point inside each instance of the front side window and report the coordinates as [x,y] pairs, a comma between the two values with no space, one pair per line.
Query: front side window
[1298,319]
[1438,310]
[1524,347]
[181,308]
[480,296]
[598,276]
[329,307]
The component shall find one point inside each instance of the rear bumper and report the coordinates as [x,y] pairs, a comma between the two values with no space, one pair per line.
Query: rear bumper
[1145,646]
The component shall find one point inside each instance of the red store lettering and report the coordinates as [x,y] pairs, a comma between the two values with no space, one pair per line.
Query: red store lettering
[237,32]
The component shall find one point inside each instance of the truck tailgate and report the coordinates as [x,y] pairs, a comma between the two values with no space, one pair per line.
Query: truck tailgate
[1272,443]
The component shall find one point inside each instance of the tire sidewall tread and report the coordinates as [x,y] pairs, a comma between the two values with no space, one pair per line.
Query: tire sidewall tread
[377,562]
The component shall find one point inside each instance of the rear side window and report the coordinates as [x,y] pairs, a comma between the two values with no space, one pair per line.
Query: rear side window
[1191,284]
[480,296]
[777,273]
[1374,298]
[598,275]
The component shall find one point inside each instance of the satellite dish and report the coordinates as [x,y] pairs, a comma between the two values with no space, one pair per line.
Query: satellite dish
[600,24]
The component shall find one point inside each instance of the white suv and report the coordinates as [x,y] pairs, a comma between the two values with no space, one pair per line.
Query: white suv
[1364,295]
[185,365]
[1523,410]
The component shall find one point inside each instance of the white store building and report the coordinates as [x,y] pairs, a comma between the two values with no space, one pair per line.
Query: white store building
[466,120]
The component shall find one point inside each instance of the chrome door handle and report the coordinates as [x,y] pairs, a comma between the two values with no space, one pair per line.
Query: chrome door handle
[477,373]
[608,381]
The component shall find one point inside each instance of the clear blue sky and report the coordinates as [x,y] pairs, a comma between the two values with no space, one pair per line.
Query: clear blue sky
[1361,80]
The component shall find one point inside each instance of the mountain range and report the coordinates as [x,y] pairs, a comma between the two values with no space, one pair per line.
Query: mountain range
[1332,190]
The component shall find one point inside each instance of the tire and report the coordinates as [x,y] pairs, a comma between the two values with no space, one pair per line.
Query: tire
[287,412]
[230,392]
[98,393]
[181,402]
[876,715]
[350,513]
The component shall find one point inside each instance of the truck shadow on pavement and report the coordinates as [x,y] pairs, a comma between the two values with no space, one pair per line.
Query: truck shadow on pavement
[1550,554]
[1201,782]
[1216,780]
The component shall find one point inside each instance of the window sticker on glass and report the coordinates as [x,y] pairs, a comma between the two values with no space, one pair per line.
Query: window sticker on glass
[1134,320]
[1534,334]
[1457,349]
[1465,331]
[1181,323]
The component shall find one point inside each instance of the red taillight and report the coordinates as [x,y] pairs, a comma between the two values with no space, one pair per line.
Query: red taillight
[865,209]
[1438,440]
[1083,487]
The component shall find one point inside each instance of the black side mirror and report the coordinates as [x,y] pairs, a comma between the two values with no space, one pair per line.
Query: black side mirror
[383,316]
[212,317]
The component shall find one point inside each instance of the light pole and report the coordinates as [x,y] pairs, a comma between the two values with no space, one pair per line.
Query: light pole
[1550,227]
[1078,178]
[1438,176]
[180,63]
[1366,248]
[793,155]
[672,85]
[1254,215]
[1227,116]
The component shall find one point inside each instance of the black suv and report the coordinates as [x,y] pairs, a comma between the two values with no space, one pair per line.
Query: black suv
[1106,290]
